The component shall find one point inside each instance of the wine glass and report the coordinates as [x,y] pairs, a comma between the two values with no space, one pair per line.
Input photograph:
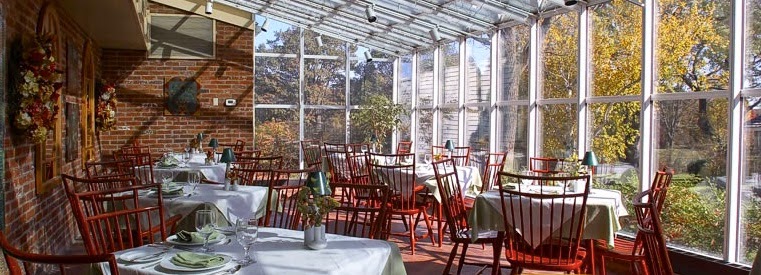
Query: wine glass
[527,173]
[363,148]
[193,180]
[246,232]
[205,226]
[166,177]
[427,159]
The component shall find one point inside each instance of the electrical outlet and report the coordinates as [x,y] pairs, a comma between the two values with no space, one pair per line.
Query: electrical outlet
[215,101]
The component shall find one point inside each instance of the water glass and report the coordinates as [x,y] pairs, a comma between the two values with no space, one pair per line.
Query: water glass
[246,232]
[363,148]
[205,226]
[166,177]
[427,159]
[194,178]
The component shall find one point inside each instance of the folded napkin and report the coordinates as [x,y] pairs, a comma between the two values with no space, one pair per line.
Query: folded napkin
[170,188]
[194,237]
[196,260]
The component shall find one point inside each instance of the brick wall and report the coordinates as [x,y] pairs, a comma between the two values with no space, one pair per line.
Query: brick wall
[140,80]
[36,223]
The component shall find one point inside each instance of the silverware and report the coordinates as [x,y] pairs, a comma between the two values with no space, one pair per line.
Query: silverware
[231,270]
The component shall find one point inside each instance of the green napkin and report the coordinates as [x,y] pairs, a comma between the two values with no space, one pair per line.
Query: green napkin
[196,260]
[194,237]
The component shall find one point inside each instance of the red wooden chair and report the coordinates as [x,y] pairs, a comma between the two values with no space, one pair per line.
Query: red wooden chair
[20,262]
[650,232]
[113,219]
[338,163]
[628,250]
[404,147]
[366,219]
[461,154]
[238,146]
[253,177]
[282,194]
[543,165]
[554,242]
[109,169]
[312,151]
[495,162]
[250,153]
[261,162]
[143,165]
[456,214]
[403,194]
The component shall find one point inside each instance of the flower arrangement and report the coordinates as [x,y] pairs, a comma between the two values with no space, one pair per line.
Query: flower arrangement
[39,89]
[572,166]
[105,112]
[312,212]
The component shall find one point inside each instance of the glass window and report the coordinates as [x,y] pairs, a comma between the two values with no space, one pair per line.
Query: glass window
[275,131]
[330,46]
[325,125]
[448,125]
[478,69]
[477,130]
[752,44]
[425,79]
[325,82]
[368,78]
[405,96]
[560,54]
[512,133]
[279,38]
[449,74]
[514,62]
[616,49]
[424,132]
[692,46]
[557,130]
[750,189]
[614,137]
[691,137]
[277,80]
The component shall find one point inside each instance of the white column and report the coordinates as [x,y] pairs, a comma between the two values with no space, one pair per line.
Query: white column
[734,154]
[347,90]
[461,92]
[301,94]
[532,89]
[646,112]
[495,77]
[414,116]
[583,62]
[435,95]
[395,100]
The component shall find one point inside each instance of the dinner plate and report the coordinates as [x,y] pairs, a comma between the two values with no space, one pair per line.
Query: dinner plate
[173,240]
[167,263]
[227,230]
[154,194]
[143,255]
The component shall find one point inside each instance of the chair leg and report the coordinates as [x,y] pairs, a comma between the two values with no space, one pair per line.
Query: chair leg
[412,237]
[428,224]
[438,222]
[602,266]
[462,258]
[404,221]
[496,253]
[591,257]
[451,258]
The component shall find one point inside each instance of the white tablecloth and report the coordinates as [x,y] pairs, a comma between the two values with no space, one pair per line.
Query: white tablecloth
[281,251]
[469,178]
[244,203]
[214,172]
[601,221]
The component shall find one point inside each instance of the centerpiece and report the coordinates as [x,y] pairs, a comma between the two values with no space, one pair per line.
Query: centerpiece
[105,111]
[314,203]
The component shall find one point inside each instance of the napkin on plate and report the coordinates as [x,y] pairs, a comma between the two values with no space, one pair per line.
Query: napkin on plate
[194,237]
[196,260]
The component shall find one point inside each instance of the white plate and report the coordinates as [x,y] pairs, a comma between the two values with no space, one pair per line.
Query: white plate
[154,194]
[227,230]
[167,263]
[137,255]
[173,240]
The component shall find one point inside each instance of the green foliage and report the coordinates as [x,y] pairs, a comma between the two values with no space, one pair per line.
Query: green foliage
[377,115]
[693,216]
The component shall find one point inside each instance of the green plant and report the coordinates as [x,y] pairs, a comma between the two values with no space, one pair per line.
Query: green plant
[313,209]
[377,116]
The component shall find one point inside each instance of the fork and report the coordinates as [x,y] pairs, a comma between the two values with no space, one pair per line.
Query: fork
[231,270]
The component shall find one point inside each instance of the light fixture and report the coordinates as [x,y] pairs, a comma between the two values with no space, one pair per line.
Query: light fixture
[435,35]
[266,24]
[571,2]
[370,11]
[368,56]
[319,40]
[209,6]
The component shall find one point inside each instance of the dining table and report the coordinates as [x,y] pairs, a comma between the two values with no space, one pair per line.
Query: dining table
[604,207]
[197,162]
[246,202]
[469,179]
[278,252]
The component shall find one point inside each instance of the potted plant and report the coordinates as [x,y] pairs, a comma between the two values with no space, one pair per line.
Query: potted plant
[314,203]
[377,117]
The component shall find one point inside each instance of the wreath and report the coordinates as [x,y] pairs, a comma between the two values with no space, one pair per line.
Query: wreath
[39,87]
[105,112]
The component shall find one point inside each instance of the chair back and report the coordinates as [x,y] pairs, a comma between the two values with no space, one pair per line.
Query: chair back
[260,163]
[238,146]
[135,149]
[461,154]
[282,198]
[363,220]
[549,219]
[113,219]
[660,186]
[143,165]
[250,153]
[495,162]
[545,165]
[358,168]
[109,169]
[253,177]
[650,232]
[312,151]
[19,262]
[400,178]
[404,147]
[452,200]
[338,163]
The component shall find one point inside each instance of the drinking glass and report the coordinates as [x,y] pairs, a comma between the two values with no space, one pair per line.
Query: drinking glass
[363,148]
[194,178]
[527,173]
[166,177]
[205,226]
[427,159]
[246,232]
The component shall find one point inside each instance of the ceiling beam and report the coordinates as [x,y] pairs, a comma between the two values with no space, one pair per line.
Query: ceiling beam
[222,13]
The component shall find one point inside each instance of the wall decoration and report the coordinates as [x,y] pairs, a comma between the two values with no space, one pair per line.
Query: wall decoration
[73,70]
[181,96]
[72,131]
[105,113]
